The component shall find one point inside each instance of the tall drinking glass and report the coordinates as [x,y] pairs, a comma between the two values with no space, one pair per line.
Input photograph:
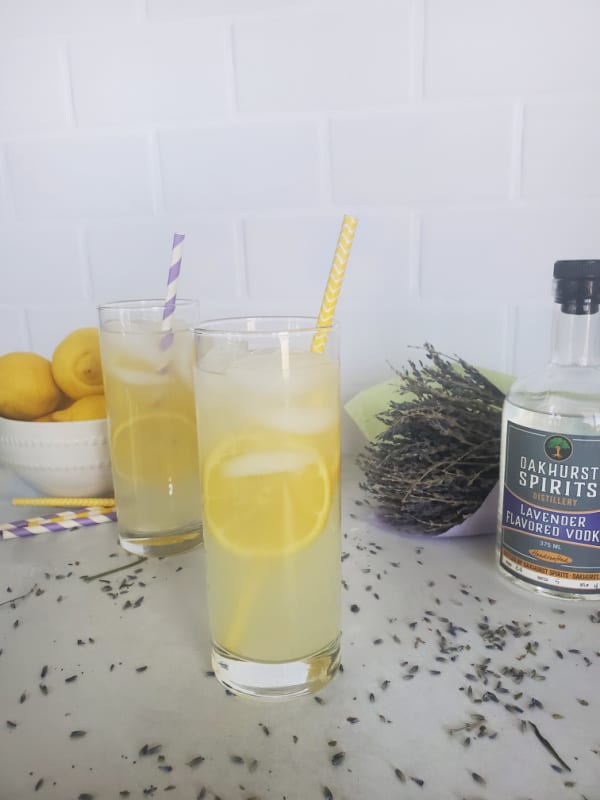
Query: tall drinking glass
[148,382]
[269,440]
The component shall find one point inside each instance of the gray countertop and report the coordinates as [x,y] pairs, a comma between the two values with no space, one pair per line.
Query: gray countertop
[455,684]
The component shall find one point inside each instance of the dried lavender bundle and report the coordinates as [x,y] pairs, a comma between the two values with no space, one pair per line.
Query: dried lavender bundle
[438,458]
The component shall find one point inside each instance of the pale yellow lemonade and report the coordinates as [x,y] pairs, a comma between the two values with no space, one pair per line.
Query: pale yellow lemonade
[153,439]
[269,453]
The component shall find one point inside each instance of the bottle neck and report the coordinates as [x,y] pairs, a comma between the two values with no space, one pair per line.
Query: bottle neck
[575,338]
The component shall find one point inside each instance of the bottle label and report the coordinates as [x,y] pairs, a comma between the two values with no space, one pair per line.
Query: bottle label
[550,514]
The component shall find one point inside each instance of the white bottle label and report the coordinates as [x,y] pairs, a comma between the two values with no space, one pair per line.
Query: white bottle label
[550,518]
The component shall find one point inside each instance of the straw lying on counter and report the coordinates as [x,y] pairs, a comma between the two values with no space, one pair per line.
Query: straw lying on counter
[58,521]
[65,502]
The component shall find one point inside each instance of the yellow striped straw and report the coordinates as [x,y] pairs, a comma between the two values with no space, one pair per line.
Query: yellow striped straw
[66,502]
[334,282]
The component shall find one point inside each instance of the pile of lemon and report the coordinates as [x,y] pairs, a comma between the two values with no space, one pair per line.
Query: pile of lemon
[67,388]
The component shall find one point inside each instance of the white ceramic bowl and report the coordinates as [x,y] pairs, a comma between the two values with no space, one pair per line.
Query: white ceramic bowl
[61,459]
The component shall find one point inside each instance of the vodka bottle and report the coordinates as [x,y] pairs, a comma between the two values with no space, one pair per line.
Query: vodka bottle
[549,508]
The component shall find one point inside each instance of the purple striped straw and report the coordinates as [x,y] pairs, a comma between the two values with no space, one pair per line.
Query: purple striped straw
[55,516]
[171,298]
[55,527]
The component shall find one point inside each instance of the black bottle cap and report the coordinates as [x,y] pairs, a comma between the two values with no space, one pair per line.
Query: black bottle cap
[577,286]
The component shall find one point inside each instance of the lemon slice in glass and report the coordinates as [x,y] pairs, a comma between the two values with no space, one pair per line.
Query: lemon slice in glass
[264,496]
[146,446]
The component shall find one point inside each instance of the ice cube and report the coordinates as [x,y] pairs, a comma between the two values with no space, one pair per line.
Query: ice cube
[137,352]
[220,357]
[268,462]
[139,377]
[275,372]
[303,421]
[179,356]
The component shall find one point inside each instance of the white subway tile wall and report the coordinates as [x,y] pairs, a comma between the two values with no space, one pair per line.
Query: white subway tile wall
[511,47]
[5,203]
[303,246]
[33,93]
[177,78]
[561,150]
[463,135]
[43,264]
[241,167]
[422,156]
[323,61]
[80,176]
[65,17]
[140,250]
[178,9]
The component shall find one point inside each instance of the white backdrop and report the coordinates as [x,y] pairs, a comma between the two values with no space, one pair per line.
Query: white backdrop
[464,135]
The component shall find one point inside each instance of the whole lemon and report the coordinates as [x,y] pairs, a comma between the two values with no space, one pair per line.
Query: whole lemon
[91,407]
[76,364]
[27,388]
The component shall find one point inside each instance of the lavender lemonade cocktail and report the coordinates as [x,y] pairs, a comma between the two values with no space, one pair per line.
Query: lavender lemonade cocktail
[268,411]
[152,424]
[268,426]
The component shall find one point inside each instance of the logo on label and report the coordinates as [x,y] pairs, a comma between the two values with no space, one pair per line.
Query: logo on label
[554,558]
[558,448]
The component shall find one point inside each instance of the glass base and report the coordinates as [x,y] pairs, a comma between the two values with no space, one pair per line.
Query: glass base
[166,545]
[276,681]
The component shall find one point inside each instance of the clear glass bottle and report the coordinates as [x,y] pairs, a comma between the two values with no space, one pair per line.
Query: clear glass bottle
[548,535]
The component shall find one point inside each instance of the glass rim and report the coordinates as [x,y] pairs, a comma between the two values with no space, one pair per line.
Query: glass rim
[150,303]
[237,326]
